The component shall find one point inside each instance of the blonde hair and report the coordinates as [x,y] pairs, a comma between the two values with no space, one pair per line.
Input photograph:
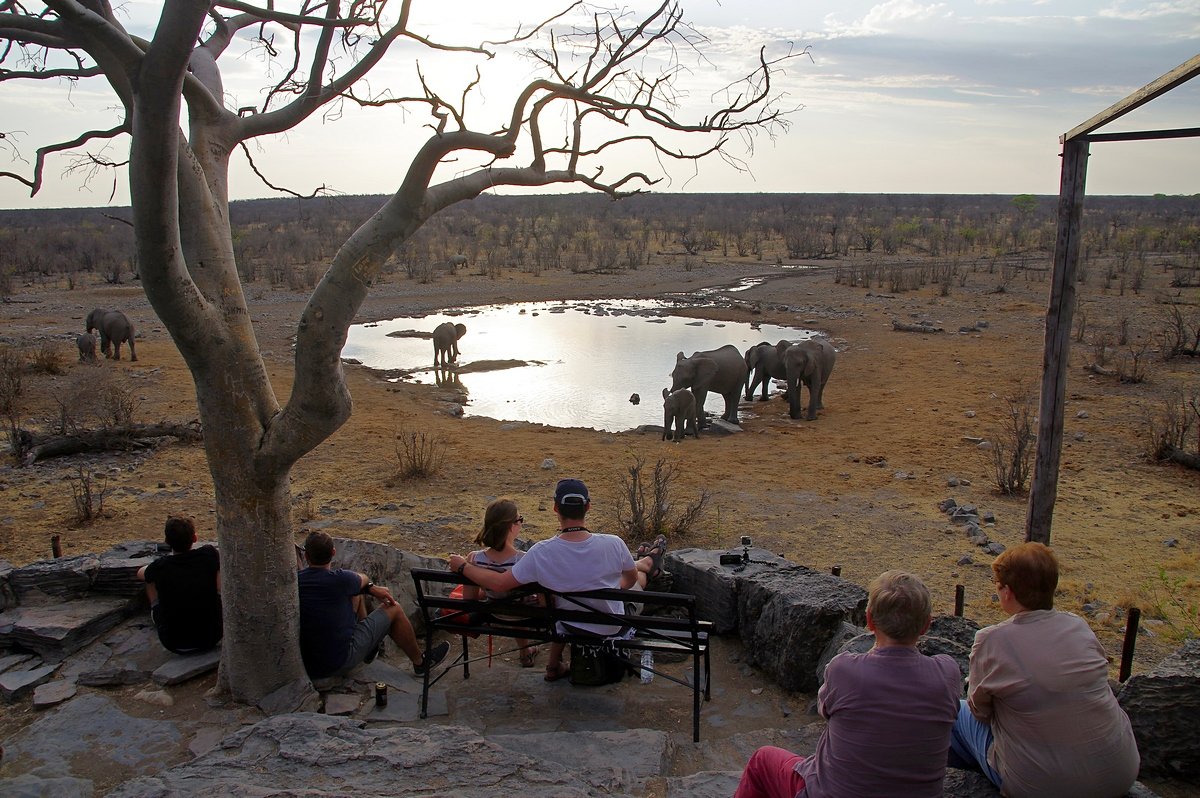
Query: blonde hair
[899,605]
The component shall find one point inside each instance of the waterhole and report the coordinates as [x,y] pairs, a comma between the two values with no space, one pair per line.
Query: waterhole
[565,364]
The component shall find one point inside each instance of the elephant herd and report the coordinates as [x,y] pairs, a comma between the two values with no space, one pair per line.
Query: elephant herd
[114,328]
[729,372]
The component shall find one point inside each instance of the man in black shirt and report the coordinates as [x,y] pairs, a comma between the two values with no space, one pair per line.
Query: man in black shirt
[184,589]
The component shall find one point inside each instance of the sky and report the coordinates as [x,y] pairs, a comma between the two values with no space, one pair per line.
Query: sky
[900,96]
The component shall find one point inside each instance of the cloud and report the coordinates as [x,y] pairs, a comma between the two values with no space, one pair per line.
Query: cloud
[885,18]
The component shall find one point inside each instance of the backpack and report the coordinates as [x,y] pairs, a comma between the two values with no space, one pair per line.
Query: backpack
[594,665]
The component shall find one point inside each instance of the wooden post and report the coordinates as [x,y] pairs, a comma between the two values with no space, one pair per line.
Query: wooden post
[56,546]
[1057,349]
[960,600]
[1131,630]
[836,570]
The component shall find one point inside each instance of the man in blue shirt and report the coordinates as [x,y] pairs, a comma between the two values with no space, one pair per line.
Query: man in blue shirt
[336,633]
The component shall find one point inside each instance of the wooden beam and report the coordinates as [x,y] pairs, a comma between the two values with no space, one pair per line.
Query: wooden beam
[1146,135]
[1057,349]
[1180,74]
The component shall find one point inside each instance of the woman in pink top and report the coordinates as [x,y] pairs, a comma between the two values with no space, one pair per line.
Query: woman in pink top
[1040,718]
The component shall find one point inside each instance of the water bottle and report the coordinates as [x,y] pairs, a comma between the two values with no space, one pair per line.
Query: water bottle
[647,664]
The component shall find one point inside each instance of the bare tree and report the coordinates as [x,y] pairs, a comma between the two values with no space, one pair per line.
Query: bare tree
[610,82]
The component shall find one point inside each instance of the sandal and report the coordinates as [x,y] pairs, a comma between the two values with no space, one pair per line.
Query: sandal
[643,550]
[528,655]
[557,673]
[656,553]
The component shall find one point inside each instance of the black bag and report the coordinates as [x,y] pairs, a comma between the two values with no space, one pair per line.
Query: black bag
[595,665]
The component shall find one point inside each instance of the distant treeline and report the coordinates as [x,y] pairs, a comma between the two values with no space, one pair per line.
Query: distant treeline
[291,240]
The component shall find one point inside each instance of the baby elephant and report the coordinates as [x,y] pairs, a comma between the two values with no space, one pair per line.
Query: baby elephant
[679,407]
[87,347]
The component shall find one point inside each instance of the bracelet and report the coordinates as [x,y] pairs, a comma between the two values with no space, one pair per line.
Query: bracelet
[462,568]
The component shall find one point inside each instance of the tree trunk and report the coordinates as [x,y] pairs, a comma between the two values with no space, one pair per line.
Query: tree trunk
[30,449]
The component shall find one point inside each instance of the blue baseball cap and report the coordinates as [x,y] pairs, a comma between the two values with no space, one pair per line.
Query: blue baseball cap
[570,491]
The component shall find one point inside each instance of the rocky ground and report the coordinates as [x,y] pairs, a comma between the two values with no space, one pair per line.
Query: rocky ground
[860,487]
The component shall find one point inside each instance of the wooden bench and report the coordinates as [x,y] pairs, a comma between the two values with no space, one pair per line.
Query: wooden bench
[685,634]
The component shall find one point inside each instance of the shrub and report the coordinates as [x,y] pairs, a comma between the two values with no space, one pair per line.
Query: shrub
[419,454]
[1174,425]
[88,492]
[1013,440]
[48,359]
[11,367]
[644,507]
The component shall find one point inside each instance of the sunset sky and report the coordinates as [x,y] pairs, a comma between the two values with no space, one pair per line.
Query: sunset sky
[902,96]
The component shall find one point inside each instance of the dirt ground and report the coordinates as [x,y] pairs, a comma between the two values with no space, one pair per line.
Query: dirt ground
[859,487]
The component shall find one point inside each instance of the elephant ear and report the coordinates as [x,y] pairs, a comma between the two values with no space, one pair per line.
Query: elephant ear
[678,357]
[706,369]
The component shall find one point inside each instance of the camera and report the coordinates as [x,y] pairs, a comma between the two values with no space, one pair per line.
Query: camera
[746,541]
[731,559]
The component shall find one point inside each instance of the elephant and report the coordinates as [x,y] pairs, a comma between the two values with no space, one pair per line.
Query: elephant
[445,342]
[809,362]
[764,362]
[87,347]
[679,407]
[114,328]
[720,370]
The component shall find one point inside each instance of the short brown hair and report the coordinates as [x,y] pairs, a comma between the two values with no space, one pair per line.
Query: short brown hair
[179,533]
[1031,572]
[498,519]
[899,605]
[318,548]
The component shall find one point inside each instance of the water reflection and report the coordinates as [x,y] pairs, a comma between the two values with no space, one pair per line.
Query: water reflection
[563,364]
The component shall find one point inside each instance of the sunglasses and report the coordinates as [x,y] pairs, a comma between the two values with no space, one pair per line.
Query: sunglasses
[520,519]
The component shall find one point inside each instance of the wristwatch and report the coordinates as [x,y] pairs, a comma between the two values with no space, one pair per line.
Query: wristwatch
[462,567]
[366,591]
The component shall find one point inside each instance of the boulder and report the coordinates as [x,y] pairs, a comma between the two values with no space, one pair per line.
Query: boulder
[715,586]
[387,566]
[1163,706]
[786,620]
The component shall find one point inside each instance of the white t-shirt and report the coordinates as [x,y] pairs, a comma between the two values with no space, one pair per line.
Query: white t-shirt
[590,564]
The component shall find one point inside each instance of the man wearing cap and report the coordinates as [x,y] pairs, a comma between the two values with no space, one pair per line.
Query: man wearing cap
[575,559]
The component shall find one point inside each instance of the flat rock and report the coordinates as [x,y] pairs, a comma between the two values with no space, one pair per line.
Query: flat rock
[30,785]
[57,630]
[312,754]
[14,685]
[112,677]
[10,661]
[707,784]
[63,578]
[342,703]
[53,693]
[604,759]
[182,667]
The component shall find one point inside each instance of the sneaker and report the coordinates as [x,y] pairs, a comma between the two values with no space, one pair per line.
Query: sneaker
[435,655]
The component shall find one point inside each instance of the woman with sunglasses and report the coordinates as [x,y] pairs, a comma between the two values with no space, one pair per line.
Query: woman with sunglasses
[501,526]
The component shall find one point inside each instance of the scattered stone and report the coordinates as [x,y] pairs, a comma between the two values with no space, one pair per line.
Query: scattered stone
[113,677]
[985,446]
[902,475]
[994,548]
[182,667]
[979,540]
[988,517]
[947,505]
[158,698]
[1081,414]
[1079,436]
[952,482]
[965,560]
[53,693]
[548,464]
[1171,543]
[17,684]
[342,703]
[969,414]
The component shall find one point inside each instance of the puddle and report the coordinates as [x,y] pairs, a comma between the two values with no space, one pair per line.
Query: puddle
[565,364]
